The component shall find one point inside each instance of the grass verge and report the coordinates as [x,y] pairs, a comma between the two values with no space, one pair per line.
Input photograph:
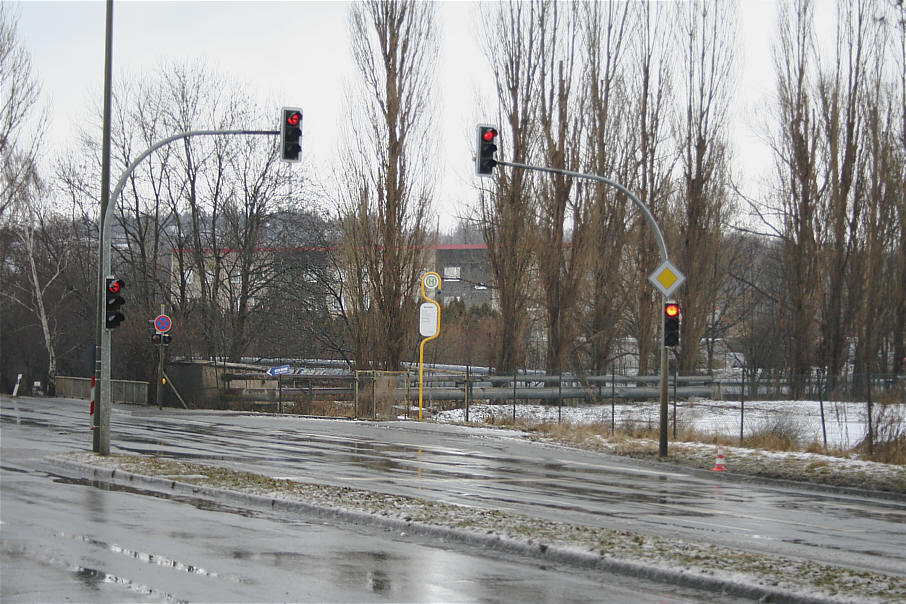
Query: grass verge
[771,454]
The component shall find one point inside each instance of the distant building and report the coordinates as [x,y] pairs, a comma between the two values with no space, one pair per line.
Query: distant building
[465,270]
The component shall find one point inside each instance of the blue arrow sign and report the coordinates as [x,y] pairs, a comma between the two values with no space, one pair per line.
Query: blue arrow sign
[280,370]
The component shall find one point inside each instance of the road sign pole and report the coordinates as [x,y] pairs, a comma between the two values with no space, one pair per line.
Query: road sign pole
[160,374]
[160,360]
[100,436]
[432,281]
[662,445]
[662,247]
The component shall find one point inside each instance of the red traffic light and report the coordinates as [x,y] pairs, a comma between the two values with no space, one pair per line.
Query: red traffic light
[489,135]
[294,118]
[115,285]
[671,310]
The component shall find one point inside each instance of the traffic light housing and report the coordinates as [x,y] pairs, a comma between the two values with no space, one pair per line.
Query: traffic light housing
[486,156]
[113,301]
[290,133]
[671,324]
[161,338]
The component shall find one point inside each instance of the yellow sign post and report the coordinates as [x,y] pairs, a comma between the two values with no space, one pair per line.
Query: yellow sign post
[428,327]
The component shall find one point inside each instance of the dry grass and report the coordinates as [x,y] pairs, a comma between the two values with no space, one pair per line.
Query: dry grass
[889,443]
[687,450]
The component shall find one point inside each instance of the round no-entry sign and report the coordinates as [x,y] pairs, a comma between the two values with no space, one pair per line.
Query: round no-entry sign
[163,323]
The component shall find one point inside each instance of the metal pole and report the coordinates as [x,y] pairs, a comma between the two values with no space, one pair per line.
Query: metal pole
[662,444]
[160,367]
[160,374]
[742,404]
[675,370]
[613,412]
[821,404]
[468,385]
[101,419]
[659,237]
[515,372]
[871,437]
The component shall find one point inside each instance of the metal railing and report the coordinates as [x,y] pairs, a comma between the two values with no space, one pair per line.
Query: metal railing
[121,391]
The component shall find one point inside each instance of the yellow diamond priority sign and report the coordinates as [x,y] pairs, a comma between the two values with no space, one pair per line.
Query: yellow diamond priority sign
[667,278]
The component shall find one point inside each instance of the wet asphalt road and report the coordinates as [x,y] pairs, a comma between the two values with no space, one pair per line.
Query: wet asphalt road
[66,539]
[455,465]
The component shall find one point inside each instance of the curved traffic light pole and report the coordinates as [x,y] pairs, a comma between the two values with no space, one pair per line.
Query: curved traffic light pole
[662,247]
[101,419]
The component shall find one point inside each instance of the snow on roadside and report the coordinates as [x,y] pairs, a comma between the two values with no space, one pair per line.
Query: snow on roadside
[720,418]
[844,422]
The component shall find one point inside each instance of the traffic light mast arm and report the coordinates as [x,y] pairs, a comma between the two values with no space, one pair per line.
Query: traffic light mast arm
[102,367]
[105,227]
[662,445]
[659,237]
[161,143]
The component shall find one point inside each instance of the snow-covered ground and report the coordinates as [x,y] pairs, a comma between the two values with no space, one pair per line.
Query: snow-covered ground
[845,423]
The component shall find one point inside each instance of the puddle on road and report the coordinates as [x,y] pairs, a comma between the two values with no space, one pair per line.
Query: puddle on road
[149,558]
[21,421]
[94,578]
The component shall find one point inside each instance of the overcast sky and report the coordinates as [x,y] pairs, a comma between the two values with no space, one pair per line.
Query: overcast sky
[297,53]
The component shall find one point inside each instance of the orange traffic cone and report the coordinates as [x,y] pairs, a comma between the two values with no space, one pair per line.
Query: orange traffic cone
[719,464]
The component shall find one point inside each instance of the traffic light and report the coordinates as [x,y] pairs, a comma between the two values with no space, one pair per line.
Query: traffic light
[161,338]
[671,324]
[290,133]
[486,157]
[113,300]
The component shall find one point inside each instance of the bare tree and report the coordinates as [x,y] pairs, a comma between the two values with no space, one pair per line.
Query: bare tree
[605,38]
[562,220]
[650,96]
[386,188]
[39,256]
[897,134]
[798,192]
[38,263]
[841,89]
[191,227]
[512,47]
[876,279]
[18,100]
[707,34]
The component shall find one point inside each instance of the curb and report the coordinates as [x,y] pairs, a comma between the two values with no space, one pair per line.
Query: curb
[572,556]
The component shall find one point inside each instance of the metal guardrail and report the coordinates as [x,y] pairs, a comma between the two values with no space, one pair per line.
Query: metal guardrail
[121,391]
[479,393]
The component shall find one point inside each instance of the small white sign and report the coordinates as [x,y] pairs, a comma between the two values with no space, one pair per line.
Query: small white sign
[667,278]
[428,322]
